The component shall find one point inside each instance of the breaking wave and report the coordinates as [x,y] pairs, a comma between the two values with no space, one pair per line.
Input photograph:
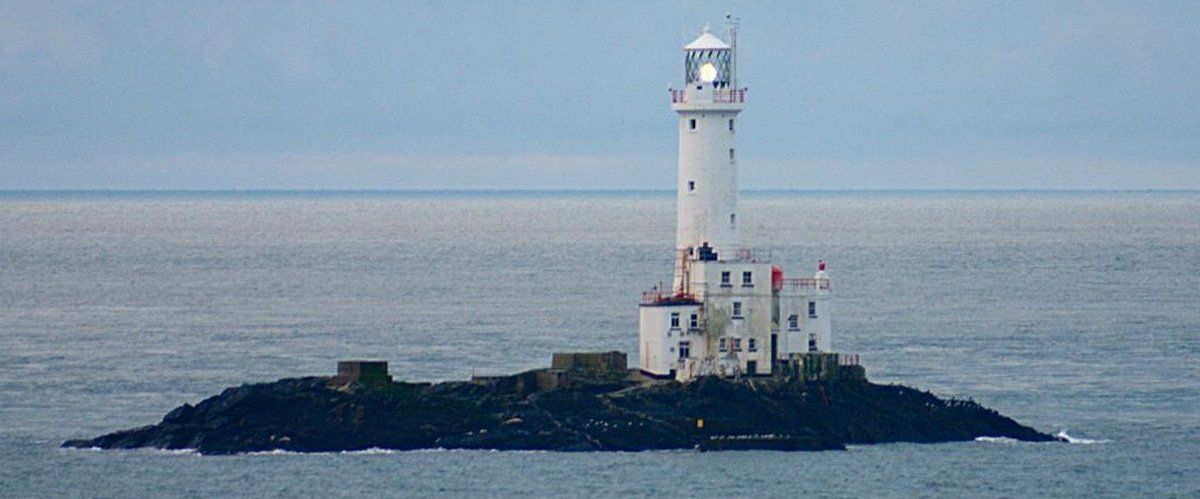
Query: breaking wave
[996,440]
[178,452]
[274,452]
[369,452]
[373,451]
[1062,435]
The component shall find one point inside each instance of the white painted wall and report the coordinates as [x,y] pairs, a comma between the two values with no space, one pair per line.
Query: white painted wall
[795,301]
[658,342]
[822,324]
[757,303]
[707,183]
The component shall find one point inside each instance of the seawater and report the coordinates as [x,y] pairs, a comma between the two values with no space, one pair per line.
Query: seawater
[1066,311]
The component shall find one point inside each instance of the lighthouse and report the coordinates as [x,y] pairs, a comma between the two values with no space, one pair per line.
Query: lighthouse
[730,311]
[708,106]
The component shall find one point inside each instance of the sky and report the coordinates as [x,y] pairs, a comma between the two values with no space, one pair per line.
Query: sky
[573,95]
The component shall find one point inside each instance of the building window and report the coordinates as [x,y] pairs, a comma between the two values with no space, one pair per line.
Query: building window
[748,279]
[674,320]
[732,219]
[812,310]
[691,186]
[812,342]
[731,157]
[685,349]
[737,344]
[725,279]
[721,345]
[731,125]
[692,124]
[793,322]
[695,322]
[752,345]
[737,310]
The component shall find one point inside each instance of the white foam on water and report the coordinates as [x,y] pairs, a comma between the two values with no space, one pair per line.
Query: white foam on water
[79,449]
[275,452]
[368,452]
[147,450]
[996,440]
[1062,435]
[179,452]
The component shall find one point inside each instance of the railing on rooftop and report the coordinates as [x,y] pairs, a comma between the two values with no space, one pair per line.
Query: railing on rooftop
[751,255]
[653,296]
[796,283]
[731,96]
[656,296]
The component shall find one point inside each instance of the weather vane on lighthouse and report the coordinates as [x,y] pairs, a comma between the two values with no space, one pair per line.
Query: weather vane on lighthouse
[729,310]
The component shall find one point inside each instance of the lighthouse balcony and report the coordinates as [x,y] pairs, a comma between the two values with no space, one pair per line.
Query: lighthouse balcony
[719,96]
[706,99]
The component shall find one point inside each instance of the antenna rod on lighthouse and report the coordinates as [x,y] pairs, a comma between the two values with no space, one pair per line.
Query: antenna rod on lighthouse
[731,29]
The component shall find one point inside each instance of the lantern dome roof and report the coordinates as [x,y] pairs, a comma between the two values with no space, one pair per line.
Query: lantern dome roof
[706,41]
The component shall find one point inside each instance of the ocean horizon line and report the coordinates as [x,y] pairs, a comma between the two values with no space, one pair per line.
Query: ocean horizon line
[544,191]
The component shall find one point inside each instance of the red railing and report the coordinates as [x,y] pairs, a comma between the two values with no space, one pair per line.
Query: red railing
[656,296]
[734,96]
[806,282]
[652,297]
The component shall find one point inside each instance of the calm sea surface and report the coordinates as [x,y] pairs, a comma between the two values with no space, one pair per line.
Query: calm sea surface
[1075,311]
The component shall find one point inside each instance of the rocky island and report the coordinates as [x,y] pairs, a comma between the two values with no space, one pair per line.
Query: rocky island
[586,402]
[732,355]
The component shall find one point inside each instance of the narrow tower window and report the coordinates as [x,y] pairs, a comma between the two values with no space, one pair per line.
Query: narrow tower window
[812,310]
[732,219]
[695,322]
[692,124]
[737,310]
[674,320]
[793,322]
[731,157]
[731,125]
[752,344]
[691,186]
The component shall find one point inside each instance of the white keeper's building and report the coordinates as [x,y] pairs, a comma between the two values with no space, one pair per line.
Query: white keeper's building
[729,310]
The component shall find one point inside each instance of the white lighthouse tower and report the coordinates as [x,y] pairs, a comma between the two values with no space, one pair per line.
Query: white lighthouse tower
[729,311]
[708,106]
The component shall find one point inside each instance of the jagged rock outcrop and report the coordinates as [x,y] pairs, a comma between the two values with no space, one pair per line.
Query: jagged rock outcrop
[322,414]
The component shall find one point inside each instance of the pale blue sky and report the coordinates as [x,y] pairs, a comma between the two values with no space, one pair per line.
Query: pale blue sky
[415,95]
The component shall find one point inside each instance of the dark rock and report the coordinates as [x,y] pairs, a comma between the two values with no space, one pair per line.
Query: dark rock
[324,414]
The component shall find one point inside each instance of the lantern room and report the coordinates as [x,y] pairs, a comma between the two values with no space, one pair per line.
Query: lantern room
[708,61]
